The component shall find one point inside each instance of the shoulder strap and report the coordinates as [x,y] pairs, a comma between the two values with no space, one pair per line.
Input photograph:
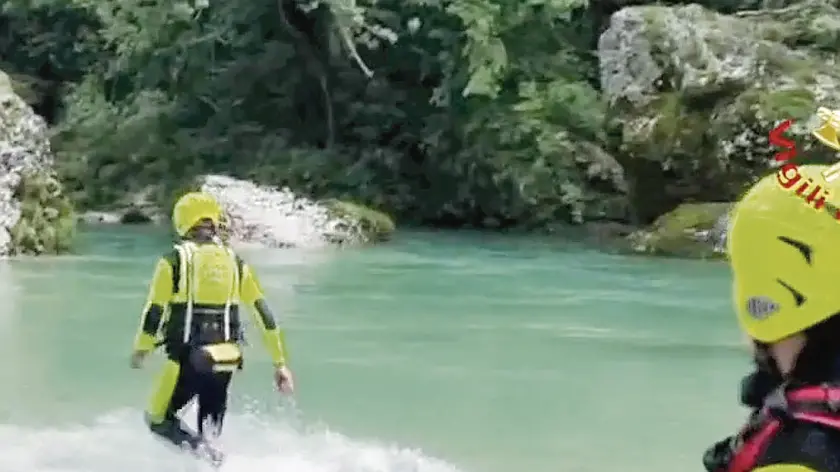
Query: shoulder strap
[815,398]
[175,262]
[240,267]
[811,404]
[816,404]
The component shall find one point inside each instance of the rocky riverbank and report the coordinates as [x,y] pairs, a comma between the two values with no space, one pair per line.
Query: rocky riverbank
[268,216]
[35,216]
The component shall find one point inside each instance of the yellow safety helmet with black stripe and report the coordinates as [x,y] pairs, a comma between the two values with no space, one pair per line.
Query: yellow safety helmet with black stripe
[194,207]
[785,253]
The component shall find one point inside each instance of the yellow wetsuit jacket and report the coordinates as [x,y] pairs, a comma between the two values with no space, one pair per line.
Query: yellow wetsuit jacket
[198,280]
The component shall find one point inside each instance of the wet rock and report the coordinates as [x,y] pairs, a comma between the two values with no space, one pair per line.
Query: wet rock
[692,230]
[377,226]
[135,216]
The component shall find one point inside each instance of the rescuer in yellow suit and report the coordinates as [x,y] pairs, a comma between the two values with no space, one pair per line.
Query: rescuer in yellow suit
[195,301]
[784,252]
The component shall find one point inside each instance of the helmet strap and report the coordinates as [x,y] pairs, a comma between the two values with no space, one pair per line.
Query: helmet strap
[764,361]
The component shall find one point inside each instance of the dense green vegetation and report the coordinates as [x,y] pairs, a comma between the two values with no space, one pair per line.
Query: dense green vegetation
[444,113]
[47,224]
[448,113]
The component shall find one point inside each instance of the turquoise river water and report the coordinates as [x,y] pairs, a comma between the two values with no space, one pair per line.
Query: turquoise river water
[433,353]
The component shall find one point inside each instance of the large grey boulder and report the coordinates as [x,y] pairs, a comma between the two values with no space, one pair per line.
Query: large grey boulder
[275,217]
[697,92]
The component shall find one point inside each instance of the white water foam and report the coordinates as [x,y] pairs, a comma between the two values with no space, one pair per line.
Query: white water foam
[119,441]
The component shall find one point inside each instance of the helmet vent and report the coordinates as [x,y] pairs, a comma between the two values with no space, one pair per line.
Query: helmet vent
[800,299]
[803,248]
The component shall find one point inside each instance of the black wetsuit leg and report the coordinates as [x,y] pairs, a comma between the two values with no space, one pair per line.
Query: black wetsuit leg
[172,429]
[212,401]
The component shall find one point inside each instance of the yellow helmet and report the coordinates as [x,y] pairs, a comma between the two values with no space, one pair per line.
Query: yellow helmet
[785,253]
[192,208]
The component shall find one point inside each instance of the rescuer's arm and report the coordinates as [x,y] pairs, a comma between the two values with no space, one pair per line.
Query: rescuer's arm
[160,293]
[252,296]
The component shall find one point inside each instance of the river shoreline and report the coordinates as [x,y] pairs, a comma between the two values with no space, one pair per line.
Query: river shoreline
[608,237]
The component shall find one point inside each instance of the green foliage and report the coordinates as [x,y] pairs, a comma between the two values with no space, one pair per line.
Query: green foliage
[47,224]
[456,113]
[44,45]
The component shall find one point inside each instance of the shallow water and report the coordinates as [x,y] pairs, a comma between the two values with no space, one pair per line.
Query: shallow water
[438,352]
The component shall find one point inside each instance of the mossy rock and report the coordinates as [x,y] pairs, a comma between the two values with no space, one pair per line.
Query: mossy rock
[811,24]
[676,232]
[674,131]
[376,225]
[48,223]
[698,92]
